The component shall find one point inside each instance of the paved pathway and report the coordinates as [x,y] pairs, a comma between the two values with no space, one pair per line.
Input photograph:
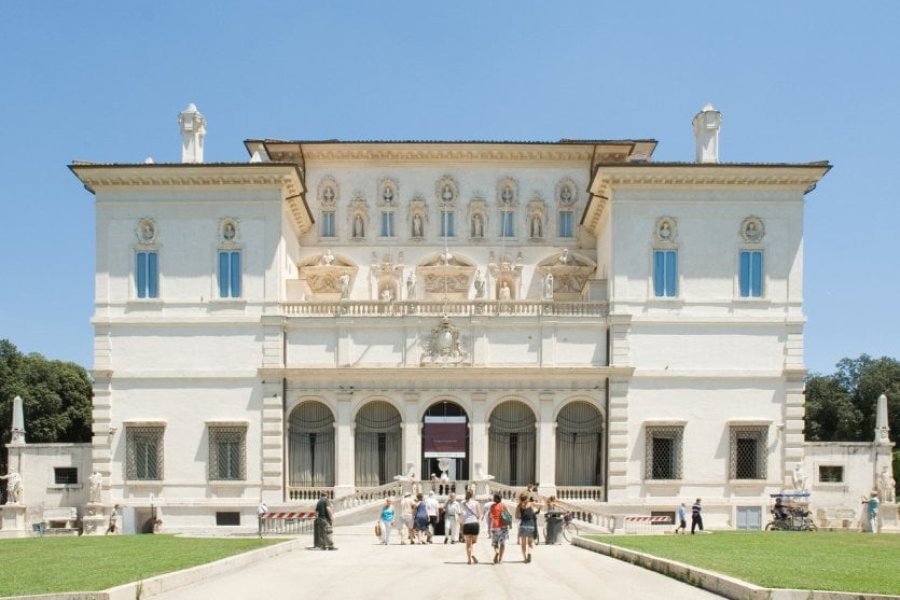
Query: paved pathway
[362,568]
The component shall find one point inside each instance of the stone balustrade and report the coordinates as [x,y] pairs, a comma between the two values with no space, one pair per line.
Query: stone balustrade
[463,308]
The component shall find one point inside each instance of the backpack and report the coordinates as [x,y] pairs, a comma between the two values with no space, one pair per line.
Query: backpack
[506,518]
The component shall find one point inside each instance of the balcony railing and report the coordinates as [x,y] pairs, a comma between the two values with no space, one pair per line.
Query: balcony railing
[453,308]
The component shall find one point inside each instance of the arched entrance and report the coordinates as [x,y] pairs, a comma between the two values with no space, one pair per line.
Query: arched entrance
[445,434]
[579,447]
[311,446]
[511,444]
[378,444]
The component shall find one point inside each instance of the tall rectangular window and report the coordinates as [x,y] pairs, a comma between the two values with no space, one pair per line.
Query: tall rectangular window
[327,223]
[146,274]
[507,228]
[229,274]
[751,273]
[447,223]
[566,228]
[748,452]
[665,273]
[387,224]
[227,452]
[144,453]
[663,452]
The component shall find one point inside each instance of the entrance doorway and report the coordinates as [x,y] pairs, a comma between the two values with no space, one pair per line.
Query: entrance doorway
[445,442]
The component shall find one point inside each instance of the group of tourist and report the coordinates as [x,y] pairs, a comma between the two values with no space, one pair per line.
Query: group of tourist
[419,516]
[696,518]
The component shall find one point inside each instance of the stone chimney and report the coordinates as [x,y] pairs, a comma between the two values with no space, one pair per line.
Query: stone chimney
[706,134]
[193,131]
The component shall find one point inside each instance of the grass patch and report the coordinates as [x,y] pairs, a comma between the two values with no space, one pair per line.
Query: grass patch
[833,561]
[68,564]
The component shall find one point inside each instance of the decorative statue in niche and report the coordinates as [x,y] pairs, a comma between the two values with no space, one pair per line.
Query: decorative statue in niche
[548,286]
[387,195]
[505,293]
[345,285]
[477,226]
[228,232]
[447,193]
[479,285]
[359,229]
[411,286]
[536,227]
[565,194]
[417,225]
[328,195]
[507,195]
[386,295]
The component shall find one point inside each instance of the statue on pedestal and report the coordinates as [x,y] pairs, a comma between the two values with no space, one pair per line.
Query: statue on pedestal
[799,478]
[15,489]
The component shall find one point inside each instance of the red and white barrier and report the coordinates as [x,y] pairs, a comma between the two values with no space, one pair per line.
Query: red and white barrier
[645,523]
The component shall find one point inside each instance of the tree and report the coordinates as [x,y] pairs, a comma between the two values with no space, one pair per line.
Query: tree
[56,397]
[841,407]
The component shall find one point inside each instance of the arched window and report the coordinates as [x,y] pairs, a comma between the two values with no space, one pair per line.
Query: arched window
[378,444]
[579,447]
[311,446]
[511,444]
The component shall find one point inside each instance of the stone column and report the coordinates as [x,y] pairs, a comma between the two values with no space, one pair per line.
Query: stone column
[344,447]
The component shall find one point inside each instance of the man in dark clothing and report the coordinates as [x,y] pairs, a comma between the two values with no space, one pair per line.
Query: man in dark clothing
[323,524]
[696,518]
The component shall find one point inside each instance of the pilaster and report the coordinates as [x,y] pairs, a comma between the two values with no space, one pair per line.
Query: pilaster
[412,433]
[546,441]
[344,449]
[793,438]
[478,433]
[617,473]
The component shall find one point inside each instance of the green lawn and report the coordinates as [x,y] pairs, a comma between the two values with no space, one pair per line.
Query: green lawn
[62,564]
[836,561]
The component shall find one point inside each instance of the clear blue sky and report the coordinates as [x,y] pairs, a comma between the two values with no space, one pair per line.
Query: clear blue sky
[796,82]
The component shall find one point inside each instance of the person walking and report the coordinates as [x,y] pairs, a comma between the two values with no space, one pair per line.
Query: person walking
[872,511]
[451,519]
[407,519]
[681,519]
[387,520]
[325,523]
[696,517]
[471,516]
[431,509]
[525,512]
[499,528]
[421,519]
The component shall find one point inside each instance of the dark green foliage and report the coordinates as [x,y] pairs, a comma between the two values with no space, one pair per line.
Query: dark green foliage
[56,397]
[841,407]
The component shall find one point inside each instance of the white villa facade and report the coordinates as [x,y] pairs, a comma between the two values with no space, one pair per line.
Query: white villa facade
[330,315]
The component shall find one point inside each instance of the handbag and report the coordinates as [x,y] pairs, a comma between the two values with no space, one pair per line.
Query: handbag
[506,518]
[377,528]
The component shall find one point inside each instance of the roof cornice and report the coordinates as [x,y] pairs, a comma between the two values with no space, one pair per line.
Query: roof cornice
[457,152]
[287,177]
[607,177]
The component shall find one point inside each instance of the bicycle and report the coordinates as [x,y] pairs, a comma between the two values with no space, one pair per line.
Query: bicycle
[569,529]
